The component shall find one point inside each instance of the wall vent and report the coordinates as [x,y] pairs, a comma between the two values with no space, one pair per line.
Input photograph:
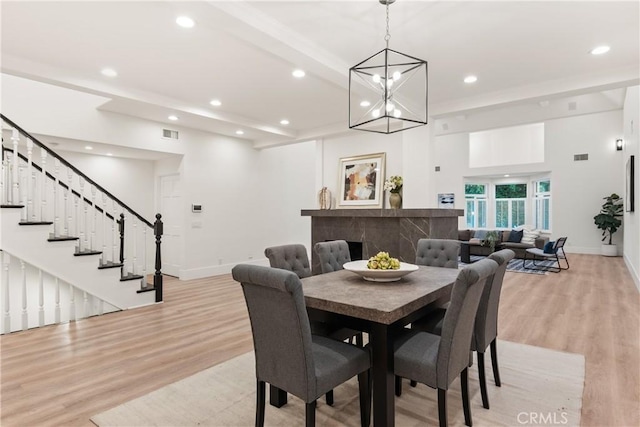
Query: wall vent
[579,157]
[168,133]
[437,168]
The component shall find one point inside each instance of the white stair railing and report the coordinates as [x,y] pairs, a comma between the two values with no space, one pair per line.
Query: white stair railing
[33,298]
[70,201]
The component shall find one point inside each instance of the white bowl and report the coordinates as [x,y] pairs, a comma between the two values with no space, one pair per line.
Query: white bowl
[360,268]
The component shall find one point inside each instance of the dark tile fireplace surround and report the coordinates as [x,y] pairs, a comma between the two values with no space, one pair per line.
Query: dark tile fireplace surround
[392,230]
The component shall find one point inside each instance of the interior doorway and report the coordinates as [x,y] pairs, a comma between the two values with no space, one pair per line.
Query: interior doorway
[171,210]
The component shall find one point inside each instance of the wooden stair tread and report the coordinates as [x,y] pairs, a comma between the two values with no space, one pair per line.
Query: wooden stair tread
[109,264]
[12,206]
[87,252]
[130,276]
[35,223]
[149,288]
[61,238]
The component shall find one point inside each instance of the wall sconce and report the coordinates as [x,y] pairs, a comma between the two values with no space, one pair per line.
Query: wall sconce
[618,145]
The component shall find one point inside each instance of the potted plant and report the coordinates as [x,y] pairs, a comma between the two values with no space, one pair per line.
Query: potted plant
[492,238]
[608,220]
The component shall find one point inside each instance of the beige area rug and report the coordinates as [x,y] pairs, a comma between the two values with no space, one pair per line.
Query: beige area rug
[539,387]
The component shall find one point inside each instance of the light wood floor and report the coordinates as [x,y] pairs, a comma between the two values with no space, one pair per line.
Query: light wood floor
[62,375]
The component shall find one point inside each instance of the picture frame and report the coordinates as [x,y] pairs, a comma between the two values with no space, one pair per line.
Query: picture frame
[446,200]
[360,181]
[630,184]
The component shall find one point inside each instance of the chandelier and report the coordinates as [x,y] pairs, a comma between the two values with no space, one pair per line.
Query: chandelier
[388,90]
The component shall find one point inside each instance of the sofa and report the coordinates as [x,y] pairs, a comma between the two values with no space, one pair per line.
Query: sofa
[508,240]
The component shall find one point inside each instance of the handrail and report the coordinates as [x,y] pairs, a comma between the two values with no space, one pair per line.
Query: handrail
[62,184]
[76,170]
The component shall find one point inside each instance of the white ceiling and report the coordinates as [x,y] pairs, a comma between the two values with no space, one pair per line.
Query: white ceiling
[243,52]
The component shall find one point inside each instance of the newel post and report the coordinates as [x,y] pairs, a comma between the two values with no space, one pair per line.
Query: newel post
[121,230]
[157,277]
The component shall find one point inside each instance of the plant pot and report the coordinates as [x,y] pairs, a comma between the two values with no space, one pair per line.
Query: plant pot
[609,250]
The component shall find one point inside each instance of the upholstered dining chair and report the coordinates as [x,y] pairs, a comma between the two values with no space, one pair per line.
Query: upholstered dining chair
[485,331]
[332,255]
[437,360]
[287,355]
[438,253]
[552,255]
[290,257]
[293,257]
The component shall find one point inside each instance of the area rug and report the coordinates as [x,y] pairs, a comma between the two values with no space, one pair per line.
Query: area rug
[539,386]
[515,265]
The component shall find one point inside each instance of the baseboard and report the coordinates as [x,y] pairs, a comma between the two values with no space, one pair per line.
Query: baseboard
[217,270]
[633,272]
[582,250]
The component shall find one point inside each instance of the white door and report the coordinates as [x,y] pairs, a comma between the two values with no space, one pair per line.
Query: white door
[171,210]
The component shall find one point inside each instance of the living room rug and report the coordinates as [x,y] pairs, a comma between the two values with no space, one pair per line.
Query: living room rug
[539,386]
[515,265]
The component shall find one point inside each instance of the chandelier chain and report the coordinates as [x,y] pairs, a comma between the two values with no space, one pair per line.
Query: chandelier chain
[388,35]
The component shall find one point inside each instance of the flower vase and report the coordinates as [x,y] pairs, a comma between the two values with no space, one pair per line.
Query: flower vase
[395,200]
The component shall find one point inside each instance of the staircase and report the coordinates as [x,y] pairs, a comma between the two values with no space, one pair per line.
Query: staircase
[65,237]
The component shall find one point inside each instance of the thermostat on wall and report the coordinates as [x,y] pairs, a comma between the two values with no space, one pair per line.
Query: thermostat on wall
[196,208]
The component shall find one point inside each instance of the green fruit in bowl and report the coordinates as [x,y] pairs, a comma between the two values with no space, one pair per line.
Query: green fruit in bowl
[382,261]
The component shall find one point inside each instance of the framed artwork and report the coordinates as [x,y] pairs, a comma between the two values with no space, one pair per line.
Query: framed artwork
[630,187]
[360,181]
[446,200]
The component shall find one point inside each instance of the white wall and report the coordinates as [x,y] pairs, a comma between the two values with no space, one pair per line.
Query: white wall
[577,187]
[631,230]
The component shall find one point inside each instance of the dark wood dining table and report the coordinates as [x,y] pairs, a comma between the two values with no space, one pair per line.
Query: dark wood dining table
[378,308]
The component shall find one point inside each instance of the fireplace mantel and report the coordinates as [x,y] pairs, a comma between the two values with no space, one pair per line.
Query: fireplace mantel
[391,230]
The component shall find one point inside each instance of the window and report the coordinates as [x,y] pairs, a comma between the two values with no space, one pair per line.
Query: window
[476,205]
[511,203]
[542,204]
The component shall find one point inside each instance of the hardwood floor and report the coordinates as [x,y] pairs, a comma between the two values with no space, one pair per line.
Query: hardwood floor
[62,375]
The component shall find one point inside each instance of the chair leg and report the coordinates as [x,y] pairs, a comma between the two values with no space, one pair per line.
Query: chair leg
[359,340]
[329,398]
[413,383]
[483,381]
[364,384]
[310,414]
[260,399]
[494,363]
[398,386]
[464,383]
[442,407]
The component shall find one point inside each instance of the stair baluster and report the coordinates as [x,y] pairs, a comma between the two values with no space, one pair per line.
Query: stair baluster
[85,220]
[114,233]
[21,193]
[6,259]
[82,218]
[40,298]
[15,139]
[143,281]
[67,208]
[4,180]
[92,242]
[103,256]
[76,201]
[25,314]
[56,185]
[43,184]
[134,257]
[29,207]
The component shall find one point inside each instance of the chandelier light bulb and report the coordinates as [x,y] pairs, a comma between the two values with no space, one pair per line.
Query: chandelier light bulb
[365,103]
[397,75]
[389,83]
[390,107]
[397,113]
[376,78]
[376,113]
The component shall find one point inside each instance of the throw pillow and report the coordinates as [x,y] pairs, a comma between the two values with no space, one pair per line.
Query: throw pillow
[480,234]
[529,236]
[515,236]
[464,235]
[548,248]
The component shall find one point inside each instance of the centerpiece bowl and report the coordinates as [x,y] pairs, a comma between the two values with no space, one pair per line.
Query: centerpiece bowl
[360,268]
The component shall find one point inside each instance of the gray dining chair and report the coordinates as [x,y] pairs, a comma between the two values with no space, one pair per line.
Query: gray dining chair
[437,360]
[287,355]
[332,255]
[294,258]
[290,257]
[485,331]
[438,253]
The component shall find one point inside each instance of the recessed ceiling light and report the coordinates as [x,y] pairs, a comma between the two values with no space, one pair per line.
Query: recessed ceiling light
[365,104]
[506,175]
[173,118]
[185,22]
[109,154]
[284,122]
[470,79]
[215,102]
[88,147]
[298,74]
[109,72]
[600,50]
[239,132]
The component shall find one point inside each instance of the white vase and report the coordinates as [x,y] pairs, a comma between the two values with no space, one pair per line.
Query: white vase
[609,250]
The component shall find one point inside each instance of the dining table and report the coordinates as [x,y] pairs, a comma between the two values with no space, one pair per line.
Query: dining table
[381,309]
